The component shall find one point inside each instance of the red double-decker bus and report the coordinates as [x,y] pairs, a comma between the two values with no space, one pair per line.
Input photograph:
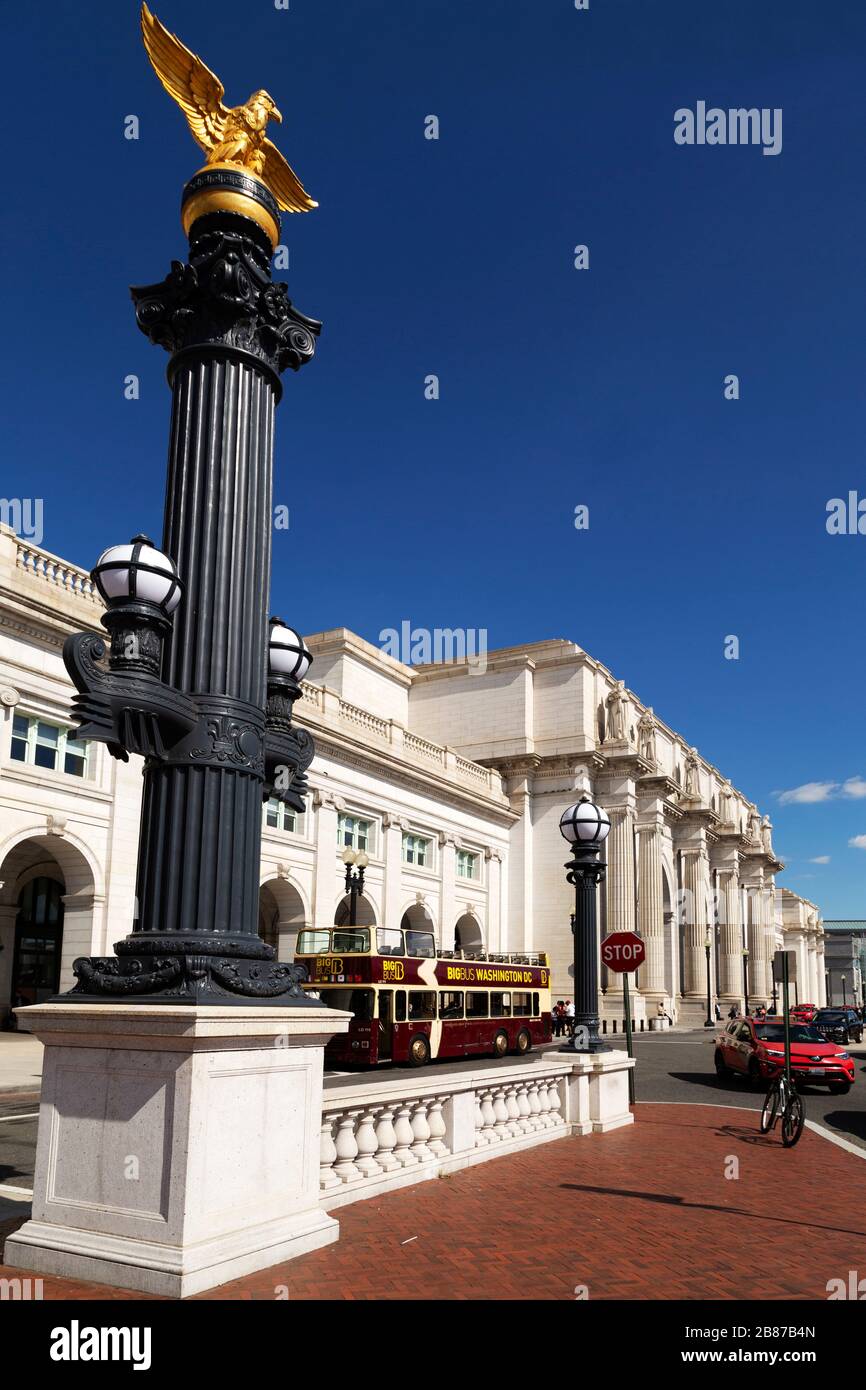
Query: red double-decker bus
[412,1004]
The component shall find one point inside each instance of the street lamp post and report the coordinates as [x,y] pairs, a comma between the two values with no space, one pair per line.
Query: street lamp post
[709,1021]
[585,826]
[745,979]
[355,865]
[844,992]
[192,682]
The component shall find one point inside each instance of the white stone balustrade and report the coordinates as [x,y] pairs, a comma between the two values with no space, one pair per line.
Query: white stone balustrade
[379,1133]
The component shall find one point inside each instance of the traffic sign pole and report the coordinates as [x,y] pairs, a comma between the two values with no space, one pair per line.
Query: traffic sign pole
[628,1042]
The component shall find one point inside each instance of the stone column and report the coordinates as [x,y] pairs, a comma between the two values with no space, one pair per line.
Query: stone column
[620,873]
[651,924]
[494,900]
[325,886]
[731,939]
[448,881]
[695,956]
[8,913]
[759,966]
[393,856]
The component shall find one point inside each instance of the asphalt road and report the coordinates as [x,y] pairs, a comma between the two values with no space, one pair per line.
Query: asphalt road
[670,1067]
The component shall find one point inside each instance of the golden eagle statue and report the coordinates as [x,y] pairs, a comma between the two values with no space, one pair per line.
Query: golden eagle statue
[228,134]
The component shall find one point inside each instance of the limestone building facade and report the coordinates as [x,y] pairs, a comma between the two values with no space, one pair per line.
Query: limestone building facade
[450,777]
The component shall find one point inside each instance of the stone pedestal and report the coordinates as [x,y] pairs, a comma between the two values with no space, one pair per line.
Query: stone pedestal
[178,1147]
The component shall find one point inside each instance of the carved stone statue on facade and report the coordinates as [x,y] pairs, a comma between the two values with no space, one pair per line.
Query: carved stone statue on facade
[725,797]
[754,827]
[615,731]
[646,737]
[693,781]
[766,835]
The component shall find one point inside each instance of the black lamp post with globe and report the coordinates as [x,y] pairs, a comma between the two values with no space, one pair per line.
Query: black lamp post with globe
[585,826]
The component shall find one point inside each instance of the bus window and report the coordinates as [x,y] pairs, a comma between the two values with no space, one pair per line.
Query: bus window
[357,1001]
[476,1005]
[389,941]
[358,939]
[535,1008]
[422,1004]
[451,1003]
[400,1006]
[313,943]
[522,1001]
[419,943]
[500,1005]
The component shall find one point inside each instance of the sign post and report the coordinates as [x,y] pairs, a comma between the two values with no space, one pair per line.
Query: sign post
[785,969]
[624,951]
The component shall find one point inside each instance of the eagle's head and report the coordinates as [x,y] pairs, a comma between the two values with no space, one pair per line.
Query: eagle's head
[266,103]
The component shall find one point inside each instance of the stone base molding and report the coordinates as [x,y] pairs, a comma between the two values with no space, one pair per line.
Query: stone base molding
[387,1134]
[178,1147]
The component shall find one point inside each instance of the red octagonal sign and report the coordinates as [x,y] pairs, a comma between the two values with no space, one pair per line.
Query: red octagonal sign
[623,951]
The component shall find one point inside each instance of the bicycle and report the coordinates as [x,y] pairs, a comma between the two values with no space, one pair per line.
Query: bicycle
[784,1098]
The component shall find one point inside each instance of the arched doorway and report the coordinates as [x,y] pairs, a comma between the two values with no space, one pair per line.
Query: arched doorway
[364,913]
[467,934]
[43,928]
[38,942]
[282,915]
[417,918]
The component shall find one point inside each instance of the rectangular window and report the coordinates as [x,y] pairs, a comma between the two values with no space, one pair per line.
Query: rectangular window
[476,1004]
[400,1006]
[355,833]
[280,817]
[313,943]
[422,1005]
[389,941]
[467,864]
[420,943]
[522,1001]
[415,850]
[535,1006]
[500,1005]
[49,746]
[352,939]
[451,1003]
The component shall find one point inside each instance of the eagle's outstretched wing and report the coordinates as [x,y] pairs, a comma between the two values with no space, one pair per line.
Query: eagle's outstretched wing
[284,182]
[197,91]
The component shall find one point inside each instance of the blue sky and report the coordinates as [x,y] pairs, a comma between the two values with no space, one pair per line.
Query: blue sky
[557,387]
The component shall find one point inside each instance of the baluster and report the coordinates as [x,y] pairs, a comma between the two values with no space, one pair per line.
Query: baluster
[438,1128]
[386,1139]
[367,1146]
[327,1155]
[525,1121]
[421,1131]
[534,1107]
[405,1138]
[543,1105]
[347,1147]
[489,1114]
[514,1130]
[556,1104]
[481,1136]
[500,1110]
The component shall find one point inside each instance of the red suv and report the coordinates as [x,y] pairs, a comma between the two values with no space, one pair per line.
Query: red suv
[804,1013]
[756,1048]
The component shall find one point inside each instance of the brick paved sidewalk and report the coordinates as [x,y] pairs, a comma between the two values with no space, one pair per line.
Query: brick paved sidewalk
[642,1213]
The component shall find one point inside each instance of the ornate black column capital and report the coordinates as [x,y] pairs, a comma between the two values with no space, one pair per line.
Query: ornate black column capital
[223,297]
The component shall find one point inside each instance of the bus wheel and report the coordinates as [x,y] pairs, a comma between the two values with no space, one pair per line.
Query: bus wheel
[419,1051]
[524,1041]
[500,1045]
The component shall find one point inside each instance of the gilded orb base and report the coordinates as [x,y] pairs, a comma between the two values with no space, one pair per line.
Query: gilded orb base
[230,188]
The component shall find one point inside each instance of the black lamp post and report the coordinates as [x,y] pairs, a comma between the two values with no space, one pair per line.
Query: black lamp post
[709,1021]
[745,980]
[355,865]
[844,992]
[585,826]
[775,1006]
[193,682]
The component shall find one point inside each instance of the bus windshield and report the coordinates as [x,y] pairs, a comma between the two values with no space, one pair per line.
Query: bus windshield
[352,939]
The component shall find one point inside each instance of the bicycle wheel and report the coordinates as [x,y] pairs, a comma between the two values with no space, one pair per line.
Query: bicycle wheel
[771,1108]
[793,1120]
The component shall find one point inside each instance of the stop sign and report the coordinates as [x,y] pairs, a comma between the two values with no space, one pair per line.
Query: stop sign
[623,951]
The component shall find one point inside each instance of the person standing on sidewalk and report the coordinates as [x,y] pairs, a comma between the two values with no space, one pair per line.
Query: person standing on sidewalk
[569,1017]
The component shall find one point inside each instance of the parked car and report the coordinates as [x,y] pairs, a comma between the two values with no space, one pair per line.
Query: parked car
[842,1025]
[804,1013]
[755,1048]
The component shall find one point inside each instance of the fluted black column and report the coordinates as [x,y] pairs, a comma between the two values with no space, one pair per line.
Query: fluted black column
[585,871]
[231,331]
